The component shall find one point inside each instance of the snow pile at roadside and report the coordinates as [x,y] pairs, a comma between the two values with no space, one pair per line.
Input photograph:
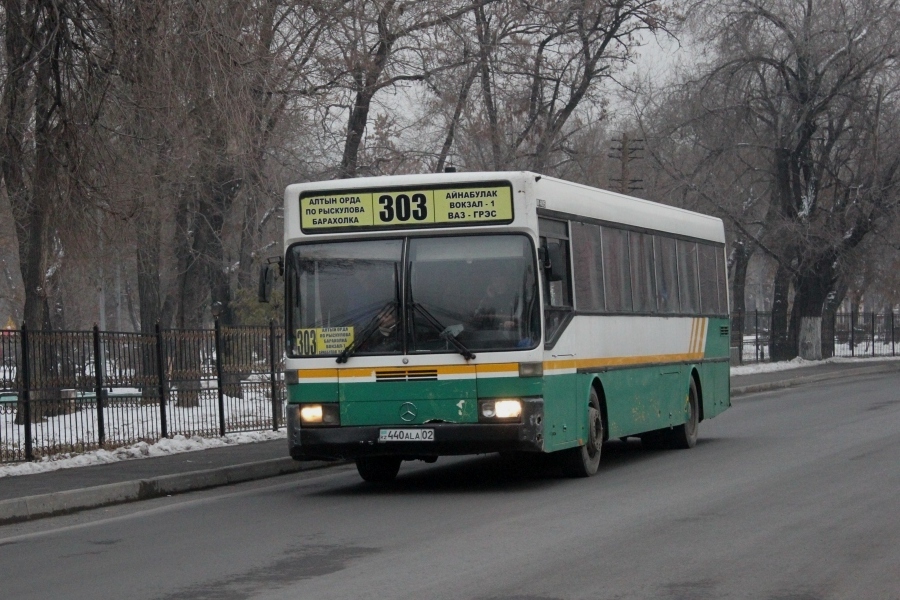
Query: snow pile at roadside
[163,447]
[799,363]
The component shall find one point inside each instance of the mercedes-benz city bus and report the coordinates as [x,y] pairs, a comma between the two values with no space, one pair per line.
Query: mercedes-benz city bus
[464,313]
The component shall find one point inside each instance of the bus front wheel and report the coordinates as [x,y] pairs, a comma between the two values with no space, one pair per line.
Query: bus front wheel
[378,469]
[583,461]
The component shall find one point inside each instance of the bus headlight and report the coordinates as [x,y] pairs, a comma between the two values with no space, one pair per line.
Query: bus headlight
[320,414]
[500,410]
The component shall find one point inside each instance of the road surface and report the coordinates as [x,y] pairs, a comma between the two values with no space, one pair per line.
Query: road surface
[789,495]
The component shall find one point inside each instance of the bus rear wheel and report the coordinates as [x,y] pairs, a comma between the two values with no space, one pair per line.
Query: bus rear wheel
[684,436]
[680,437]
[583,461]
[378,469]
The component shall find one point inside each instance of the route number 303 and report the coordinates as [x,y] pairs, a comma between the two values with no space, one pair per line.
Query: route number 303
[402,207]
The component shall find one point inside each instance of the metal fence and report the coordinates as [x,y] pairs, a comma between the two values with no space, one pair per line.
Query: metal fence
[852,335]
[75,391]
[70,392]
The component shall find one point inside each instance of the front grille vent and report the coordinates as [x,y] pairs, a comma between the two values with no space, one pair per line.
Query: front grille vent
[407,375]
[723,330]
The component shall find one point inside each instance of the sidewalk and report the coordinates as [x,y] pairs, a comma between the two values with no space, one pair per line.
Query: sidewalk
[25,497]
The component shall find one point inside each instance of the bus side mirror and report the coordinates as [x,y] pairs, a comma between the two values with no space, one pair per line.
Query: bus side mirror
[267,274]
[555,263]
[544,258]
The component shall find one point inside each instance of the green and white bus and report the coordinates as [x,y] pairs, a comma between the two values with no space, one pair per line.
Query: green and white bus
[466,313]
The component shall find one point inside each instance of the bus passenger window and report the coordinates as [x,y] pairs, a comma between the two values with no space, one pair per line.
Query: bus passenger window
[617,270]
[722,282]
[643,284]
[688,279]
[709,293]
[589,294]
[666,274]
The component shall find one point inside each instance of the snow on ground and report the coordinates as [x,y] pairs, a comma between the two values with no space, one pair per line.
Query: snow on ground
[180,443]
[175,445]
[799,363]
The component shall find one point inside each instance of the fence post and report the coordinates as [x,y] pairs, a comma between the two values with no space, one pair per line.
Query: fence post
[161,381]
[873,332]
[892,333]
[219,377]
[26,392]
[276,401]
[756,332]
[98,386]
[852,335]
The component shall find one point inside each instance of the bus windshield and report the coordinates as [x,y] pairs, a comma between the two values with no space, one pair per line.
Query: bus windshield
[444,294]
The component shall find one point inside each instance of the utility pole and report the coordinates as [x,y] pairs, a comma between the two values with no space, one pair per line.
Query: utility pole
[626,150]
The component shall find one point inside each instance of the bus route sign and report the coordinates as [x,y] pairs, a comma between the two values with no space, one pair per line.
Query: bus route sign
[323,340]
[399,209]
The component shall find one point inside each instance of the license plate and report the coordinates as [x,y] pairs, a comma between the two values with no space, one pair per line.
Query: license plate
[406,435]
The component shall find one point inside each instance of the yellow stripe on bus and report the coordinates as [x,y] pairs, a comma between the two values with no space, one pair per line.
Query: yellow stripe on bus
[620,361]
[441,370]
[695,353]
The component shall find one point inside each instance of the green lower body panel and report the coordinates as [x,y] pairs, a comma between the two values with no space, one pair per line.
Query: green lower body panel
[429,439]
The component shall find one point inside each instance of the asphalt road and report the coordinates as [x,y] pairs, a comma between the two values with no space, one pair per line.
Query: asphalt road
[790,495]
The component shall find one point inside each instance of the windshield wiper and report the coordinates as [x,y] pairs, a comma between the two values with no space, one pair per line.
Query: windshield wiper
[445,333]
[367,331]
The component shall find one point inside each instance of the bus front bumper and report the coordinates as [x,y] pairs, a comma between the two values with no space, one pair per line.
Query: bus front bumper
[335,443]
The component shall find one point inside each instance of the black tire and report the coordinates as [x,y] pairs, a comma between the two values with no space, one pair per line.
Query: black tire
[684,436]
[680,437]
[583,461]
[378,469]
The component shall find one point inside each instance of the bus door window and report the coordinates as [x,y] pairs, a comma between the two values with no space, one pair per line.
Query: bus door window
[554,242]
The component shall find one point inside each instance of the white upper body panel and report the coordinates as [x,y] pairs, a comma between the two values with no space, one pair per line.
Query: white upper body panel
[531,192]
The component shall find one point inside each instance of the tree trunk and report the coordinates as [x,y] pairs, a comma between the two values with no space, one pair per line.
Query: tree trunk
[829,316]
[810,338]
[356,127]
[454,121]
[813,286]
[779,346]
[485,43]
[33,209]
[148,253]
[740,260]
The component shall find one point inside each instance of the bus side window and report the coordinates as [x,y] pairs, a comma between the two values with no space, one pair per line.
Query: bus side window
[557,286]
[557,278]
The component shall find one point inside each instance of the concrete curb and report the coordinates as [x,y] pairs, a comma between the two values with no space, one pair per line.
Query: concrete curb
[795,381]
[59,503]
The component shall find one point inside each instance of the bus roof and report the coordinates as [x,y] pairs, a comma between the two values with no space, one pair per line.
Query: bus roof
[553,195]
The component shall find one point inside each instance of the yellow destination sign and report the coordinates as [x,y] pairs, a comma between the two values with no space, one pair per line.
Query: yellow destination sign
[407,208]
[323,340]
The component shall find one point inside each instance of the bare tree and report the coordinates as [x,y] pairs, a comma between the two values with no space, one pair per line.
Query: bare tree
[813,80]
[378,45]
[543,63]
[57,63]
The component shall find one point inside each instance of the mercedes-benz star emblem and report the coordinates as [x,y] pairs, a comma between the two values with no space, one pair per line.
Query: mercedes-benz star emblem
[408,411]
